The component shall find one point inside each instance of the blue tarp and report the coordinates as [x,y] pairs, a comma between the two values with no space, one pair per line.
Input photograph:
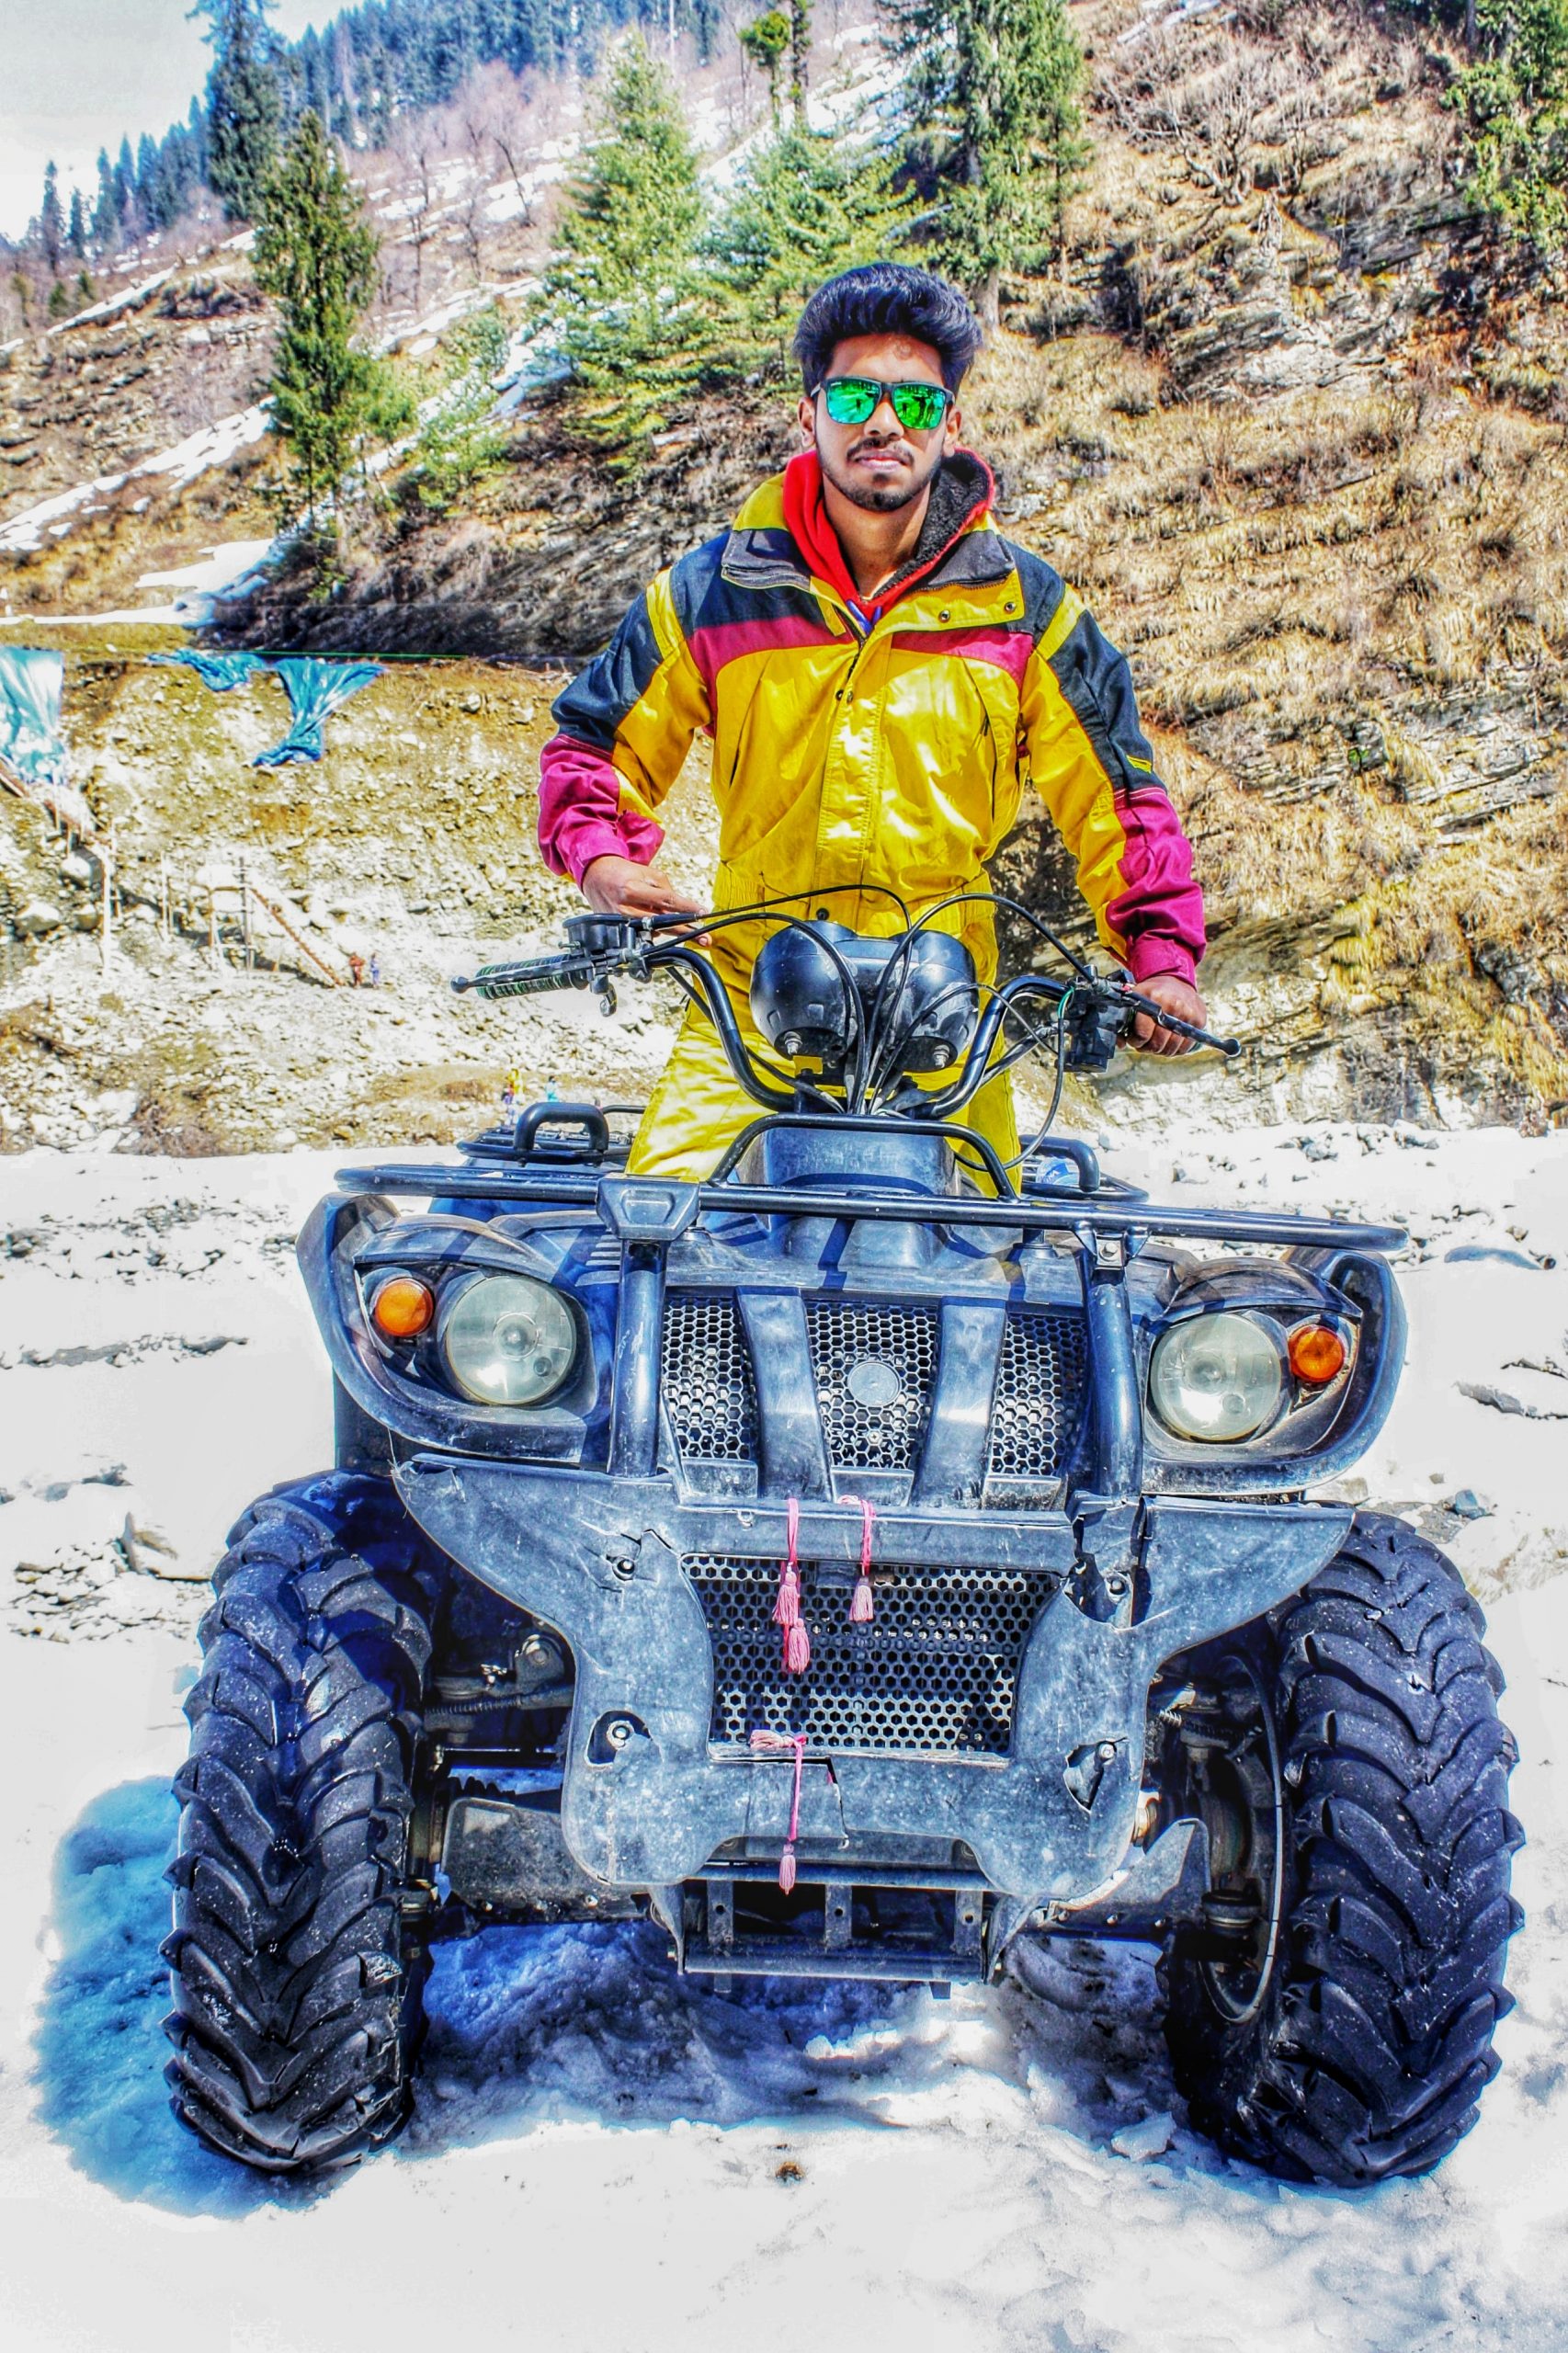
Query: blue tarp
[219,671]
[315,689]
[31,744]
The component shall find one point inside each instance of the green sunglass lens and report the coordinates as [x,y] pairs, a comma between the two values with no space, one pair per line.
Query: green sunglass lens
[919,406]
[851,401]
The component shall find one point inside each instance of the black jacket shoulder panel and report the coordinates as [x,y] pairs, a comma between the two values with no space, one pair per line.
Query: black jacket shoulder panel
[1042,586]
[1096,682]
[693,577]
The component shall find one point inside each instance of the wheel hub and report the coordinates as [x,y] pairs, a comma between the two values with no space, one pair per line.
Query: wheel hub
[1236,1788]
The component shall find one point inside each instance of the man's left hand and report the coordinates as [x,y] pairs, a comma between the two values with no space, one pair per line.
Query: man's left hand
[1175,995]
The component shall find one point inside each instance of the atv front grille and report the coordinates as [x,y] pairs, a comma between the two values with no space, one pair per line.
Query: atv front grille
[709,1392]
[934,1672]
[875,1367]
[1040,1395]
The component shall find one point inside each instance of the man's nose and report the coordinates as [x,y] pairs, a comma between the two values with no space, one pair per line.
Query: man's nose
[884,416]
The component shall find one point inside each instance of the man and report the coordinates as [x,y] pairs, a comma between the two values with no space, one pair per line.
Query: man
[878,670]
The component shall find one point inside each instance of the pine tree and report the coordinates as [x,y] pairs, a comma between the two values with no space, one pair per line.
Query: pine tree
[799,56]
[196,122]
[125,191]
[765,40]
[77,235]
[106,211]
[149,189]
[803,207]
[461,438]
[244,102]
[51,221]
[994,85]
[316,254]
[628,309]
[1514,101]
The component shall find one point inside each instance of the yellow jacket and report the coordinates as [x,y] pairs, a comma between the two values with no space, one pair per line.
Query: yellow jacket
[855,755]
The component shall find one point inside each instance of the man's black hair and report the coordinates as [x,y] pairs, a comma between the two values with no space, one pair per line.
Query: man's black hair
[887,298]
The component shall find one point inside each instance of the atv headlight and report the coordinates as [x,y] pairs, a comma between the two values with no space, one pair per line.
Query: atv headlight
[508,1340]
[1216,1377]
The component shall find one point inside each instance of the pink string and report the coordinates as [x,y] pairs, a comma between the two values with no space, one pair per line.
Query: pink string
[775,1742]
[862,1606]
[787,1608]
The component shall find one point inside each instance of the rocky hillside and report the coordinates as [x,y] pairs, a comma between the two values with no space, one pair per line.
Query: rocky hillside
[226,1015]
[1289,416]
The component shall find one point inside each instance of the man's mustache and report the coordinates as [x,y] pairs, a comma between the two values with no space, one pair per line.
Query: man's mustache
[899,449]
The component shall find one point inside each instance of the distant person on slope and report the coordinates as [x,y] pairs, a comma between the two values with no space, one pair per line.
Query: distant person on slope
[879,671]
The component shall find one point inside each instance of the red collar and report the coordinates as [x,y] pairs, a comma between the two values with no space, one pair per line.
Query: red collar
[806,519]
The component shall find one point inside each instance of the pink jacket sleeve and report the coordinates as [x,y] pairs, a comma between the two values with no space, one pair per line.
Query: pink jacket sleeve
[580,816]
[1159,913]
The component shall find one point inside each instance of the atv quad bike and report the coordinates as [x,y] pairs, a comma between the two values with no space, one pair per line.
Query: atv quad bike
[854,1562]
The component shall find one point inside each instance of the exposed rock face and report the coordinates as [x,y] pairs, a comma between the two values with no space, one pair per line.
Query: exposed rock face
[547,565]
[98,393]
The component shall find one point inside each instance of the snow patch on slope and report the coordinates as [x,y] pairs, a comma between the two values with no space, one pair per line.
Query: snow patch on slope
[214,445]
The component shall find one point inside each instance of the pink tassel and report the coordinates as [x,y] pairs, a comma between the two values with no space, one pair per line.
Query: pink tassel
[787,1609]
[764,1742]
[862,1607]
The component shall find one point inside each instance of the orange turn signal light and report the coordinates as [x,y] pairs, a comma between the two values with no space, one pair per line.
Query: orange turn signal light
[1317,1354]
[403,1307]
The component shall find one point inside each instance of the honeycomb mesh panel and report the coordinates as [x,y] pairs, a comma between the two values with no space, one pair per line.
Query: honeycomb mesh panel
[845,1335]
[710,1391]
[1040,1395]
[935,1671]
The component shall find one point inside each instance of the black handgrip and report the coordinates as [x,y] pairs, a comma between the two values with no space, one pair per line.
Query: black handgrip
[1135,1004]
[535,1117]
[533,977]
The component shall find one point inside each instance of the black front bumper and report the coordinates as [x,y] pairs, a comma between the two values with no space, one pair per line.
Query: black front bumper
[605,1561]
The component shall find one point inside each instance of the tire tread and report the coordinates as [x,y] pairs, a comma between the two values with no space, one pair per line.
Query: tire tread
[295,2002]
[1396,1765]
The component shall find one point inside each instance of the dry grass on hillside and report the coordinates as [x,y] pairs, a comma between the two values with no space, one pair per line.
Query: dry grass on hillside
[1348,613]
[1336,549]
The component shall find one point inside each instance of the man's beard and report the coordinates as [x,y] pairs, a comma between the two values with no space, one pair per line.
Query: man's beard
[876,498]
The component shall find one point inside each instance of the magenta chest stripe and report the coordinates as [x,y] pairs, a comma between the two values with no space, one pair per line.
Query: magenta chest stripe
[724,641]
[1005,649]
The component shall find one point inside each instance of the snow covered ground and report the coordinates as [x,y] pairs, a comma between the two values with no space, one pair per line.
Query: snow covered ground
[603,2156]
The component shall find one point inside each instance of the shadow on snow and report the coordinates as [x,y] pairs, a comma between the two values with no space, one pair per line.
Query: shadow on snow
[534,2027]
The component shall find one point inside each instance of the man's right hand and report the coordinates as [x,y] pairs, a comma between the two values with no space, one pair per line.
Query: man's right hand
[619,886]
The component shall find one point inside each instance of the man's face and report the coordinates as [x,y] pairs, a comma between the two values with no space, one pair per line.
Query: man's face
[879,465]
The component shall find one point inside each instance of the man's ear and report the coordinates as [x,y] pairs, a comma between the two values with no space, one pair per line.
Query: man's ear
[954,432]
[806,413]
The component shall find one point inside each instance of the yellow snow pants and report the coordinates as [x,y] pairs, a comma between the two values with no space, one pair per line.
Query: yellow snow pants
[698,1107]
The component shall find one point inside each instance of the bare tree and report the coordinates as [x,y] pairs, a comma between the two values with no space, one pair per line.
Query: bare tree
[497,128]
[1223,101]
[416,148]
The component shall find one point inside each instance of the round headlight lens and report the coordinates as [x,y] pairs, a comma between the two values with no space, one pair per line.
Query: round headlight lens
[508,1340]
[1217,1377]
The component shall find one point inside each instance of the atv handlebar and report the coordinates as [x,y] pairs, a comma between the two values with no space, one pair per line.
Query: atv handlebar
[1094,1012]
